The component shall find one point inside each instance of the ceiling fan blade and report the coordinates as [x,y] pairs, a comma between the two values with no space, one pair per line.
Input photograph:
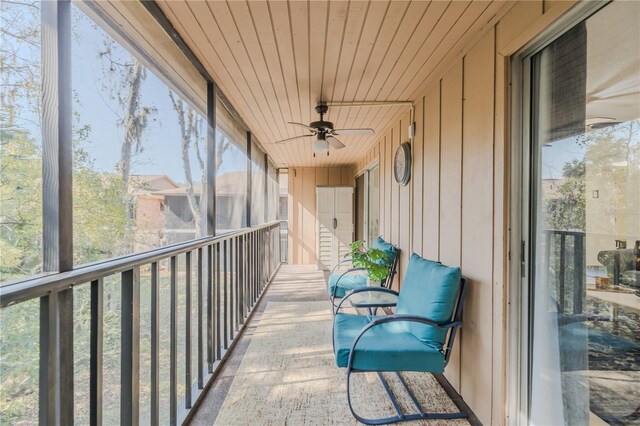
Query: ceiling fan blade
[354,132]
[295,137]
[302,125]
[335,143]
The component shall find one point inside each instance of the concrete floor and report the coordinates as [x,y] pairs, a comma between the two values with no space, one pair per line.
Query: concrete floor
[299,283]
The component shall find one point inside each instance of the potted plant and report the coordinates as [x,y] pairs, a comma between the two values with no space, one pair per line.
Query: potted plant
[372,260]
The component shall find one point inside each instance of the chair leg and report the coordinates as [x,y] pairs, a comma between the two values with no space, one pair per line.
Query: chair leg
[400,415]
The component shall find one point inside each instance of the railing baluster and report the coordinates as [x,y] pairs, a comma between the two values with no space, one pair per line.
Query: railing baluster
[130,347]
[210,309]
[225,302]
[251,271]
[561,271]
[56,357]
[255,268]
[546,264]
[247,279]
[200,322]
[96,343]
[173,352]
[260,262]
[240,282]
[217,284]
[49,360]
[231,292]
[155,344]
[187,333]
[256,254]
[578,288]
[243,275]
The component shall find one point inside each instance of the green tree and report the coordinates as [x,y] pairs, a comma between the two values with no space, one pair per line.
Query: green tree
[21,212]
[566,207]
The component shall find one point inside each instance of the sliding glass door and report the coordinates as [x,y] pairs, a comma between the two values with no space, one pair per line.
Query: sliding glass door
[583,271]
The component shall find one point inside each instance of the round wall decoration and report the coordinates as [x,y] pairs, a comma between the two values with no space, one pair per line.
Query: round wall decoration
[402,164]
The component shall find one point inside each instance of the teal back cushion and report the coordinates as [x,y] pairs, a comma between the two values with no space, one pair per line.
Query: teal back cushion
[429,290]
[387,248]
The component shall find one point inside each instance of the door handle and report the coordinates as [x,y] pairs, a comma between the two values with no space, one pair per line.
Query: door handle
[335,223]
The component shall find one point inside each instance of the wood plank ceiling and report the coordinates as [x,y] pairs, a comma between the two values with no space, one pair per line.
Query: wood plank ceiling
[275,60]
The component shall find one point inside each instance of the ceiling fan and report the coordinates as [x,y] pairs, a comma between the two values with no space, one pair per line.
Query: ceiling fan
[324,132]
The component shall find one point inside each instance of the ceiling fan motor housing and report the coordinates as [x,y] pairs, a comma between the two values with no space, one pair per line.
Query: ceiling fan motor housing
[322,126]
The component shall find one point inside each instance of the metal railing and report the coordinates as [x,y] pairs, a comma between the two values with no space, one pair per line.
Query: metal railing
[564,266]
[231,272]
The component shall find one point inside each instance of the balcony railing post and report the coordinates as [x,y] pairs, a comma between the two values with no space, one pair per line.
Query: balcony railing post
[200,321]
[187,332]
[130,347]
[236,284]
[173,343]
[241,275]
[49,360]
[96,343]
[225,283]
[231,292]
[217,285]
[562,272]
[253,269]
[578,289]
[56,317]
[155,344]
[546,261]
[210,309]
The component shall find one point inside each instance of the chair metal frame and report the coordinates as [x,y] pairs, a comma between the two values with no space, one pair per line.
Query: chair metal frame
[451,326]
[386,283]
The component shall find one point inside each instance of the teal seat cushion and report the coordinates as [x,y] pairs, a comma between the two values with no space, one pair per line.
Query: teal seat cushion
[348,282]
[429,290]
[386,347]
[387,248]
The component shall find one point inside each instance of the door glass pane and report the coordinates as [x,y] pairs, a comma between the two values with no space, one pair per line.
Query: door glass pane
[586,185]
[374,204]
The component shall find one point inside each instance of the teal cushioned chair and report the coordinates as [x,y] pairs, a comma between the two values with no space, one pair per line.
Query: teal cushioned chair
[340,283]
[419,337]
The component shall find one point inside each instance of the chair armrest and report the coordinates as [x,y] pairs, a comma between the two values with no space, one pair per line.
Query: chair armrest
[397,318]
[414,318]
[348,271]
[345,260]
[365,289]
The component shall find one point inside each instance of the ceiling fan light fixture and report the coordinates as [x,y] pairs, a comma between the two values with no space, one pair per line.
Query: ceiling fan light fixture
[321,145]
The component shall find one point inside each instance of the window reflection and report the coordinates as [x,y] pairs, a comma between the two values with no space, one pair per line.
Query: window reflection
[231,171]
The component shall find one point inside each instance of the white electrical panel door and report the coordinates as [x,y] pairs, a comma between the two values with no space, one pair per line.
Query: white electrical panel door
[335,224]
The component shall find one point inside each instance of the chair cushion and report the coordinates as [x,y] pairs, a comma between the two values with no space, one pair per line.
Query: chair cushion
[386,347]
[387,248]
[348,282]
[429,290]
